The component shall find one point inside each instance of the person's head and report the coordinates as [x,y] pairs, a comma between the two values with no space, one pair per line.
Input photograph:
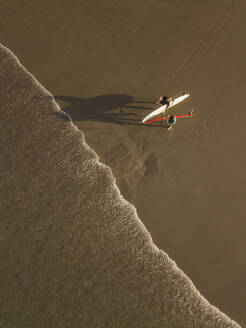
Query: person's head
[171,118]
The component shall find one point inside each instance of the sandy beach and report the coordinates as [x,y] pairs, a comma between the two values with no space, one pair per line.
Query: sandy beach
[106,63]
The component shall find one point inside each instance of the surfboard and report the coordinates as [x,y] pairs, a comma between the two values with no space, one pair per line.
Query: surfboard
[177,116]
[163,108]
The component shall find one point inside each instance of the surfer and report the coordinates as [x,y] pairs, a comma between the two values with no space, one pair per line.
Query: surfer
[169,121]
[164,100]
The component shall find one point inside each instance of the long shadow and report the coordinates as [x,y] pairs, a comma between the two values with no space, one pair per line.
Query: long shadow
[114,108]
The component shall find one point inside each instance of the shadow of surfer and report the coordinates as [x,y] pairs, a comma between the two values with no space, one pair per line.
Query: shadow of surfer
[100,108]
[112,108]
[119,109]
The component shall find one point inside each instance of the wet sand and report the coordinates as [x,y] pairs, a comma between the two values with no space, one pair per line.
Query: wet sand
[106,64]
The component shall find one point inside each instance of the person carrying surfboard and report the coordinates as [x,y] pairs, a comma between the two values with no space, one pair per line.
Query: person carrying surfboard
[164,100]
[169,121]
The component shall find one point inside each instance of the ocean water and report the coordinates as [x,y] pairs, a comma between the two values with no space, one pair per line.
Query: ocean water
[73,251]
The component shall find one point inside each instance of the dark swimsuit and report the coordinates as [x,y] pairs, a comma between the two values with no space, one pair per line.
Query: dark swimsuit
[164,100]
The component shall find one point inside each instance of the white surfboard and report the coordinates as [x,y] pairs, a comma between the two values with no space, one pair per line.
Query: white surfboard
[162,109]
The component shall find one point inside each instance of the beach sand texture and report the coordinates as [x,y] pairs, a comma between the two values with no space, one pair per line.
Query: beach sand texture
[106,64]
